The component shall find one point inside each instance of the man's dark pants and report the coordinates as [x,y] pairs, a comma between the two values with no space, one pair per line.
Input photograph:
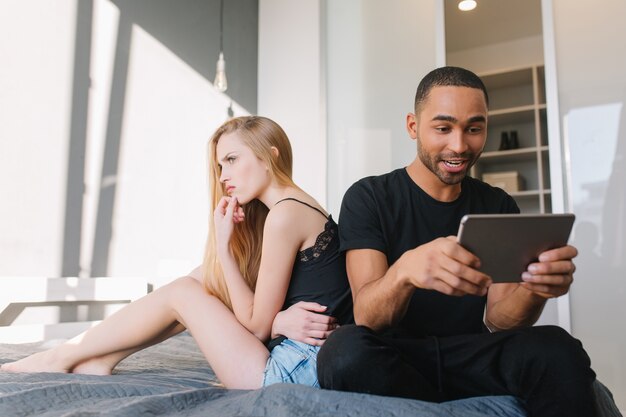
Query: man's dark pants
[544,366]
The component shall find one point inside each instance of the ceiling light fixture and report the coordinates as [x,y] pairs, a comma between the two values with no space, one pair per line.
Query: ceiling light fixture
[466,5]
[220,72]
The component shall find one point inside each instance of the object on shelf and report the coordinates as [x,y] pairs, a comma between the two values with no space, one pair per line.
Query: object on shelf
[504,141]
[509,181]
[508,140]
[513,141]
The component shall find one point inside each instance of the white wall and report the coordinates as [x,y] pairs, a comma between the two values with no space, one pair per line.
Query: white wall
[161,203]
[105,112]
[377,54]
[105,116]
[291,84]
[591,63]
[329,77]
[500,56]
[37,49]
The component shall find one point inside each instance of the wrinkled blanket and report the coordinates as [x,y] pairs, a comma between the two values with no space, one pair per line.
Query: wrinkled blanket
[173,378]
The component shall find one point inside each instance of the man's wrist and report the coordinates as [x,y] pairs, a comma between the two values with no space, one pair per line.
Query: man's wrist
[397,273]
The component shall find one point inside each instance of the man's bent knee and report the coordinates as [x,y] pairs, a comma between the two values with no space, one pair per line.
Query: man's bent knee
[342,356]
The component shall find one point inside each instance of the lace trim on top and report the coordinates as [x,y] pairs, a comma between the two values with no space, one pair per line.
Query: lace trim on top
[321,243]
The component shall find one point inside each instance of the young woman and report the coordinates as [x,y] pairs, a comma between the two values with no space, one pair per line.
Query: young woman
[271,247]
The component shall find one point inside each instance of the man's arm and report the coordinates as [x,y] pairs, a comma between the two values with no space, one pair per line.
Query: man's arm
[304,322]
[380,299]
[382,293]
[520,305]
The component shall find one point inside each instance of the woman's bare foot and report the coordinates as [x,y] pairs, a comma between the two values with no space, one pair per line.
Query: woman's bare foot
[95,366]
[38,362]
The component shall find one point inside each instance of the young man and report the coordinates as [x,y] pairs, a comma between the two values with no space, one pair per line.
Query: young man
[429,324]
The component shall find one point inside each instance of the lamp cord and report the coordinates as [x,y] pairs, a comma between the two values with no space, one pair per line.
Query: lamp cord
[221,25]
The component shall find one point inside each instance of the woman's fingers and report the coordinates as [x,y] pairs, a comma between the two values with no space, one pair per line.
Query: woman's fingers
[232,205]
[314,342]
[311,306]
[316,327]
[221,206]
[229,208]
[238,214]
[317,338]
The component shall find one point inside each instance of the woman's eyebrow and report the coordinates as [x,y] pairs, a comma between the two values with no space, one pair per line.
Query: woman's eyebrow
[226,156]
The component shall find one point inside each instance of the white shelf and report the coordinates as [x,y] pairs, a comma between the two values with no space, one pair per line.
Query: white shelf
[517,103]
[512,155]
[525,193]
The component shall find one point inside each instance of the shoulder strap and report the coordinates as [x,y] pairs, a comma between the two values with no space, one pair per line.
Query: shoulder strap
[306,204]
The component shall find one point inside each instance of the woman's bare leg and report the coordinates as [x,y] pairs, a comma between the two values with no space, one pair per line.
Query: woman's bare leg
[236,355]
[104,365]
[129,328]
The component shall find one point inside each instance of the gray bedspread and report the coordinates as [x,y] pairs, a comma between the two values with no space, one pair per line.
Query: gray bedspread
[173,378]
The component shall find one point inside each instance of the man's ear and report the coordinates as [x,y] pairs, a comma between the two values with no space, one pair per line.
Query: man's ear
[411,125]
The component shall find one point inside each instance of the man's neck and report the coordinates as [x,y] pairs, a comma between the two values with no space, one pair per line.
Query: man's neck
[431,184]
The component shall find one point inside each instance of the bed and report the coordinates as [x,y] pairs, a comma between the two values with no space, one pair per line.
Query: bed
[173,378]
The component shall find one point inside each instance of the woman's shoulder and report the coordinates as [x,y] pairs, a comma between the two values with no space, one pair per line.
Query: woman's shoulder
[295,214]
[299,204]
[282,216]
[197,273]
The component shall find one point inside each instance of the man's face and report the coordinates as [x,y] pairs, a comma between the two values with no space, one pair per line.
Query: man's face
[450,130]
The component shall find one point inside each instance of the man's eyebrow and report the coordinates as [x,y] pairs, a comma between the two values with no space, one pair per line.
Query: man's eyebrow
[475,119]
[452,119]
[445,118]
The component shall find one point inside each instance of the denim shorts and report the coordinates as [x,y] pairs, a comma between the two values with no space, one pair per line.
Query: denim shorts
[293,363]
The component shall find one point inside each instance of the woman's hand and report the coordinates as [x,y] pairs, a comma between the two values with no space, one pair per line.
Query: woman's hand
[304,323]
[227,213]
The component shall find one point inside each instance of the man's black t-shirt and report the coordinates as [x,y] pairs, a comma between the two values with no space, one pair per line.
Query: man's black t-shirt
[391,214]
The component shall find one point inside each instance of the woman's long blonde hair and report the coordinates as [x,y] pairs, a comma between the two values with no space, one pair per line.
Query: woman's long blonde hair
[261,135]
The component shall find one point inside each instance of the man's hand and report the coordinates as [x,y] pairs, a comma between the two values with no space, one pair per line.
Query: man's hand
[552,276]
[515,305]
[304,323]
[445,266]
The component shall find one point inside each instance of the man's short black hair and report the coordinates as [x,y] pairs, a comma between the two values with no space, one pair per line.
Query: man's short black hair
[448,77]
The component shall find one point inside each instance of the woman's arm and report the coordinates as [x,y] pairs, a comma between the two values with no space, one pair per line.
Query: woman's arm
[282,238]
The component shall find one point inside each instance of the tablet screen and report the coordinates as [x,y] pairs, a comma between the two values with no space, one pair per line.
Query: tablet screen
[507,243]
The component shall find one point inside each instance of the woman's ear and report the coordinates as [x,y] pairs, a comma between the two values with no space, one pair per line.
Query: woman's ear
[275,154]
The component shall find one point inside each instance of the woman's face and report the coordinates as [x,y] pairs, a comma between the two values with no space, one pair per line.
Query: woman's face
[243,175]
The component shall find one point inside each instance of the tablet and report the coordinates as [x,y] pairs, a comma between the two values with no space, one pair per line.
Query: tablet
[507,243]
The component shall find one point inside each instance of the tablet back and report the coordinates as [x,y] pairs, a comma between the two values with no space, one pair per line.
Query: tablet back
[507,243]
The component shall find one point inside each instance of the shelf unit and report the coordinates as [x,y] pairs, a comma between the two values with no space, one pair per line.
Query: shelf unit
[517,103]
